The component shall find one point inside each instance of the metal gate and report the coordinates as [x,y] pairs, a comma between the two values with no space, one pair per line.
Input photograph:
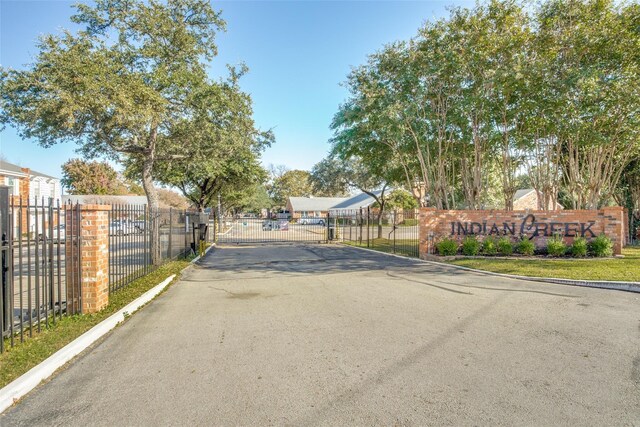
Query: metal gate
[40,258]
[260,230]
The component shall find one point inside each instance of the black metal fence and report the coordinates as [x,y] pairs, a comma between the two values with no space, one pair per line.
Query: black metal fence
[180,233]
[393,231]
[36,247]
[41,270]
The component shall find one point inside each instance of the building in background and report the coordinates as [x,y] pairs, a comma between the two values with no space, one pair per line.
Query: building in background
[30,190]
[527,199]
[311,207]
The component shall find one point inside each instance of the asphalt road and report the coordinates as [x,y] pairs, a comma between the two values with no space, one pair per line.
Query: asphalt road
[324,335]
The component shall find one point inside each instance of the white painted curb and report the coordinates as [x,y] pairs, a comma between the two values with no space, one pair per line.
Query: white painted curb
[28,381]
[600,284]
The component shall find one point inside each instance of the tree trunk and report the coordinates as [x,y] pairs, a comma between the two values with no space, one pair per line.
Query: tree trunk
[152,198]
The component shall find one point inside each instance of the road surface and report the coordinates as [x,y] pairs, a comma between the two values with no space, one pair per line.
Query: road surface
[331,335]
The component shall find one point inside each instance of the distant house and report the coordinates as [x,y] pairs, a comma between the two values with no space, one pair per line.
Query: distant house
[29,184]
[527,199]
[29,188]
[311,206]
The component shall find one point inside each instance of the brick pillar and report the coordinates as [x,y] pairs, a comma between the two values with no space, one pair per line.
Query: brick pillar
[426,217]
[87,257]
[614,227]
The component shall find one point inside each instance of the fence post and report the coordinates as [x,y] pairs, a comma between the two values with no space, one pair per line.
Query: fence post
[90,271]
[368,215]
[186,234]
[395,219]
[170,232]
[361,222]
[328,228]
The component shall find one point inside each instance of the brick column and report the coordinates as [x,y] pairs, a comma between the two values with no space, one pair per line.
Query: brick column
[614,227]
[426,217]
[87,257]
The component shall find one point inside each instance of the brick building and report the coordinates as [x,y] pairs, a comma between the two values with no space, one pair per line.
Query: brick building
[30,188]
[528,199]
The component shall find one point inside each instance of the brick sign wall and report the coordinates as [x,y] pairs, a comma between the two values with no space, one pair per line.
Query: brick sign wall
[537,225]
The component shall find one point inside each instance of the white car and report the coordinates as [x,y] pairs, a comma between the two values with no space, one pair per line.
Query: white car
[311,221]
[122,228]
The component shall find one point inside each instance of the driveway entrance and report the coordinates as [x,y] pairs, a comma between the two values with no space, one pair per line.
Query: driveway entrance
[332,335]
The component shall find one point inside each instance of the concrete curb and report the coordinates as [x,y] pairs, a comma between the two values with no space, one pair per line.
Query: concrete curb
[601,284]
[13,391]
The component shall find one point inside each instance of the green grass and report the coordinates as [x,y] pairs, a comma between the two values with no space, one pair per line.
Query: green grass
[17,360]
[406,247]
[614,269]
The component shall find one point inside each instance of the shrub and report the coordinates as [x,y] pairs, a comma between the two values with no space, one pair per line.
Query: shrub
[409,222]
[470,246]
[579,247]
[525,247]
[504,246]
[601,246]
[556,246]
[447,247]
[489,246]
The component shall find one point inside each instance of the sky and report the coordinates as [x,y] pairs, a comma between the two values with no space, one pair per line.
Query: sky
[298,54]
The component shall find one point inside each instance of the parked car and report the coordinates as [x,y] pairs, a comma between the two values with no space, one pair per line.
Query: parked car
[122,228]
[269,225]
[311,221]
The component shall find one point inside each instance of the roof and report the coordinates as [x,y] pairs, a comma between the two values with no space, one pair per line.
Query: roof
[17,170]
[11,168]
[105,199]
[314,203]
[35,173]
[361,200]
[521,193]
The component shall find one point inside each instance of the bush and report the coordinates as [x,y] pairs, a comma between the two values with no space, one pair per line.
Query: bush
[579,247]
[409,222]
[556,246]
[470,246]
[489,246]
[447,247]
[525,247]
[504,246]
[602,246]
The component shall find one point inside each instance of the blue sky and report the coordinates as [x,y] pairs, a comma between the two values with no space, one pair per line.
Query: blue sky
[298,53]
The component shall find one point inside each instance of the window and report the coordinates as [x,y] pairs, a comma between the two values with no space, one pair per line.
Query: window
[36,189]
[13,184]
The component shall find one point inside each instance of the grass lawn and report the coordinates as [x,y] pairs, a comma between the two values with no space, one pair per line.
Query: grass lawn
[406,247]
[17,360]
[615,269]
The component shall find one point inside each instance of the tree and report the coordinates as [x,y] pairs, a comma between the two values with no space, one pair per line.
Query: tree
[85,177]
[497,89]
[251,199]
[117,86]
[223,149]
[292,183]
[171,199]
[350,174]
[589,58]
[401,199]
[326,177]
